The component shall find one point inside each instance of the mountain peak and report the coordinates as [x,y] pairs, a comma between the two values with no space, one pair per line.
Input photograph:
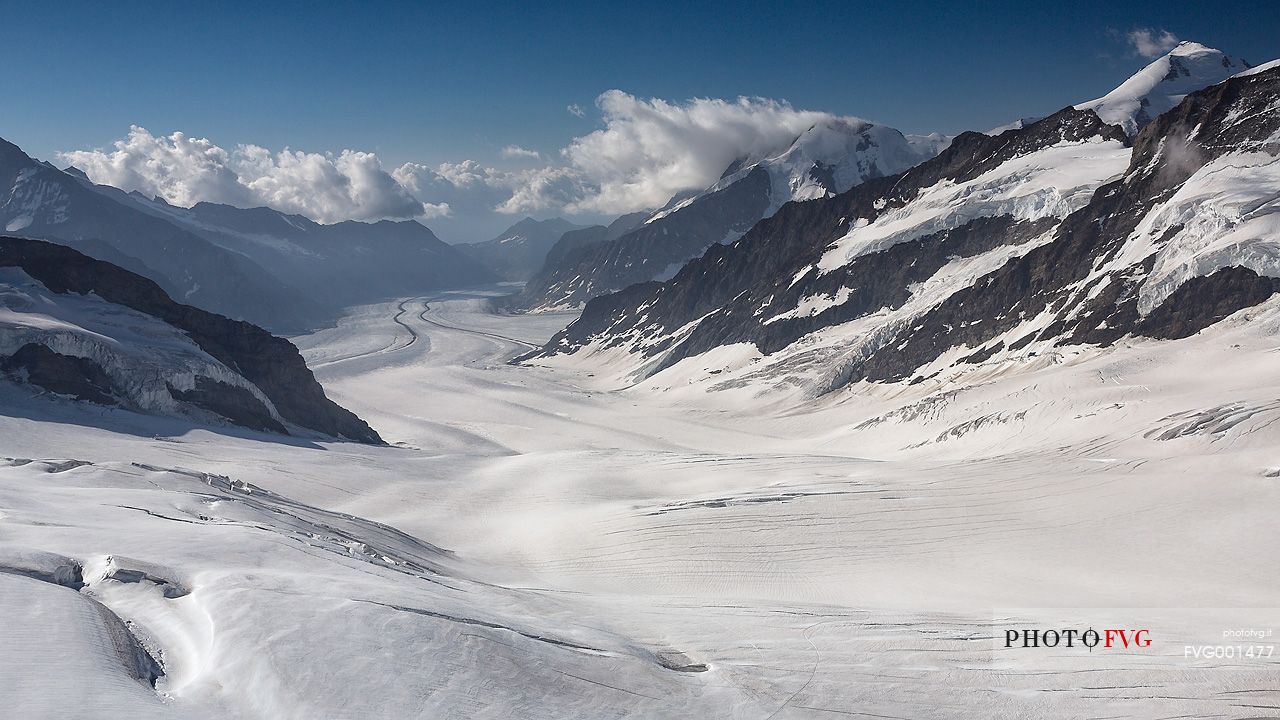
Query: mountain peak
[1190,47]
[527,222]
[1163,83]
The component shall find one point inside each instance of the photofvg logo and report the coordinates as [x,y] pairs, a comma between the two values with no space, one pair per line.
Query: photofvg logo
[1090,639]
[1122,637]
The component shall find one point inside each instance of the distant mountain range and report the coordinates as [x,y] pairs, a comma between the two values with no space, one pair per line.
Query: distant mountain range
[280,271]
[1067,231]
[518,253]
[339,265]
[853,254]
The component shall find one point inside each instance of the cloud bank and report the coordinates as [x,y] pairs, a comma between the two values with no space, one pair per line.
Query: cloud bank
[652,149]
[184,170]
[1150,43]
[645,151]
[515,151]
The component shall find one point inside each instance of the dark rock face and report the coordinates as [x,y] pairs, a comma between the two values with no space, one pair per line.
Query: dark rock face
[231,402]
[879,280]
[271,363]
[728,288]
[1203,301]
[78,377]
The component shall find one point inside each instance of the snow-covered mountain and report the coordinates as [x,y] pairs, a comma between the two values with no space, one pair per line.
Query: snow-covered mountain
[520,251]
[88,330]
[828,158]
[1161,85]
[1001,252]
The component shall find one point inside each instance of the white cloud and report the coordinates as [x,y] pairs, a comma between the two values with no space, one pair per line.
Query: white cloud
[463,184]
[1151,43]
[548,189]
[576,110]
[181,169]
[468,188]
[647,151]
[185,170]
[515,151]
[481,198]
[652,149]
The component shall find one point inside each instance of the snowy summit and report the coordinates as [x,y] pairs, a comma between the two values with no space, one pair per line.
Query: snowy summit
[1161,85]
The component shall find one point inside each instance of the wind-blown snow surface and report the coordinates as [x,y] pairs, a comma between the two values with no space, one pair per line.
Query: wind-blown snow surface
[541,544]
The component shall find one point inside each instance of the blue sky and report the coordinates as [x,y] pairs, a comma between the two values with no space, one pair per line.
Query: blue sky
[431,83]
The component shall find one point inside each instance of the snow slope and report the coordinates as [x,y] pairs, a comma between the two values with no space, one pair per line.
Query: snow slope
[1051,182]
[565,550]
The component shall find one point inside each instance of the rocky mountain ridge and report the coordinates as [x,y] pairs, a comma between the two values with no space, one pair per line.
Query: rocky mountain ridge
[998,250]
[86,328]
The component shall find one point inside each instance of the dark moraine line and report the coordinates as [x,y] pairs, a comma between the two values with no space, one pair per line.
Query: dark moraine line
[392,347]
[413,334]
[426,308]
